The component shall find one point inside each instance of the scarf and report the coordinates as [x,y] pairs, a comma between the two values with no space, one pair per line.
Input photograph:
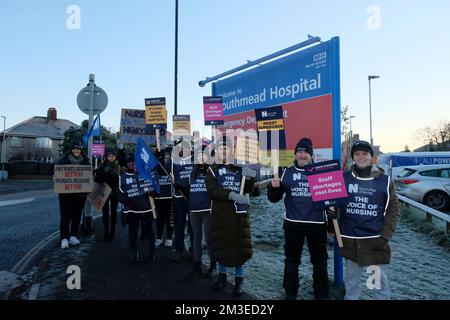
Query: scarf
[75,160]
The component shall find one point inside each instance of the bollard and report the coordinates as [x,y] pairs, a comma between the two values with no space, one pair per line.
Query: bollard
[429,217]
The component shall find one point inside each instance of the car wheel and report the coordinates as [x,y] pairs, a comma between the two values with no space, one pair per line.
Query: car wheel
[437,200]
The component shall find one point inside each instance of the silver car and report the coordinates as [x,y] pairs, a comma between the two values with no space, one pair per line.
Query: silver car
[429,185]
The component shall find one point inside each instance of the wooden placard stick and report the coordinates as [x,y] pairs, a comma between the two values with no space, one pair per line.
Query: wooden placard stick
[337,231]
[158,143]
[152,204]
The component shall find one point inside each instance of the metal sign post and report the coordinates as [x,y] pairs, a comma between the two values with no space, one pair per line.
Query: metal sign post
[91,100]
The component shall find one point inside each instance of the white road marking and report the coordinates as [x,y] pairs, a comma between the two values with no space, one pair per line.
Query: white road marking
[14,202]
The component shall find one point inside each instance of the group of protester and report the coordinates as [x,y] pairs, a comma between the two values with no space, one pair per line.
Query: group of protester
[206,197]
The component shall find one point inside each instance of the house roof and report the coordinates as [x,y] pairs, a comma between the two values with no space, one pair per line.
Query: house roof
[41,127]
[434,147]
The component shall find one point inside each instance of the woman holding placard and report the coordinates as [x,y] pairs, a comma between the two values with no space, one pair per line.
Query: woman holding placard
[71,205]
[367,223]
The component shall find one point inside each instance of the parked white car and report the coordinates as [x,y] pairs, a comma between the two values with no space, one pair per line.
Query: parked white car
[429,185]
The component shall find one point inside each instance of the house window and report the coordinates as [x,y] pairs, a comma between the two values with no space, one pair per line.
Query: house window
[44,143]
[17,142]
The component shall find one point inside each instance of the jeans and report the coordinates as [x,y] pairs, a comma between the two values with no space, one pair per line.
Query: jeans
[238,271]
[377,281]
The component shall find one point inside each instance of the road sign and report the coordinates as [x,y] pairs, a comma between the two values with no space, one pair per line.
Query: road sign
[100,99]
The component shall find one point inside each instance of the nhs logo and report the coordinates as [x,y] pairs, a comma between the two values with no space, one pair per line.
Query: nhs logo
[353,188]
[297,176]
[222,171]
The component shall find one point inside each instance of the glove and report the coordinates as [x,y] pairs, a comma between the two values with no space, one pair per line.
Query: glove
[236,197]
[381,242]
[248,172]
[330,214]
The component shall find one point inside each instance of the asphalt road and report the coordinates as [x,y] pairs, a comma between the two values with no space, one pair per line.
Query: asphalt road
[26,218]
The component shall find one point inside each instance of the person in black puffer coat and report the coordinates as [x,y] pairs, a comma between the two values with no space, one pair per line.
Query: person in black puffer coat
[108,173]
[71,205]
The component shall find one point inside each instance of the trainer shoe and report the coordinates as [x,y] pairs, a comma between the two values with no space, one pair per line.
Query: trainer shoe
[64,244]
[74,241]
[168,243]
[158,242]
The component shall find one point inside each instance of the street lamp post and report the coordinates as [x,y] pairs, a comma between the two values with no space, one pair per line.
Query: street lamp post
[3,147]
[176,61]
[370,107]
[350,119]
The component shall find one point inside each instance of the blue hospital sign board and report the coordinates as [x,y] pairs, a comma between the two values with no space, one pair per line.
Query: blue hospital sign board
[306,86]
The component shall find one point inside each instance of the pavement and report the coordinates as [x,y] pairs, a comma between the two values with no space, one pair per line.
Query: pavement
[106,273]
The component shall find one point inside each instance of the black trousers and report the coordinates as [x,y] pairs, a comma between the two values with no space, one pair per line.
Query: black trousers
[106,223]
[164,210]
[181,212]
[71,206]
[134,220]
[316,238]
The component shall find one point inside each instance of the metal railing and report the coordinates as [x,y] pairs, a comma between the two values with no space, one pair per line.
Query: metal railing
[430,212]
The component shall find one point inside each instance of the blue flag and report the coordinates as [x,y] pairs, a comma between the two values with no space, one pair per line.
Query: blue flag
[145,162]
[94,130]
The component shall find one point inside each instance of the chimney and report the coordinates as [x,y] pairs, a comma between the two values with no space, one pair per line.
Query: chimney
[51,114]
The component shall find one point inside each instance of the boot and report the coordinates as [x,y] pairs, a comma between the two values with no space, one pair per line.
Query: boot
[290,296]
[220,283]
[197,271]
[212,268]
[237,290]
[135,257]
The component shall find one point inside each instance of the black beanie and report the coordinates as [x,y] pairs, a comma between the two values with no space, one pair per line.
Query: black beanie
[76,145]
[361,145]
[304,144]
[110,151]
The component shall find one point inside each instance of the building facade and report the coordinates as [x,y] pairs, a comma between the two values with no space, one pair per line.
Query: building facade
[35,139]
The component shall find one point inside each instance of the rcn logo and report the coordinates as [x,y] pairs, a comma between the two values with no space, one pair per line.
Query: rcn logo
[264,114]
[352,188]
[222,171]
[297,176]
[129,180]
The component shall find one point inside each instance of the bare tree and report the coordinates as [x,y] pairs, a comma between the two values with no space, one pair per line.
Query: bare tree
[345,120]
[437,138]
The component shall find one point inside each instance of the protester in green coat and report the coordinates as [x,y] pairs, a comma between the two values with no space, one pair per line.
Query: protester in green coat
[230,225]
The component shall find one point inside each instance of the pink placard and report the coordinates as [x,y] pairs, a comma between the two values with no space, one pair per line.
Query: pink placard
[327,186]
[98,149]
[213,111]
